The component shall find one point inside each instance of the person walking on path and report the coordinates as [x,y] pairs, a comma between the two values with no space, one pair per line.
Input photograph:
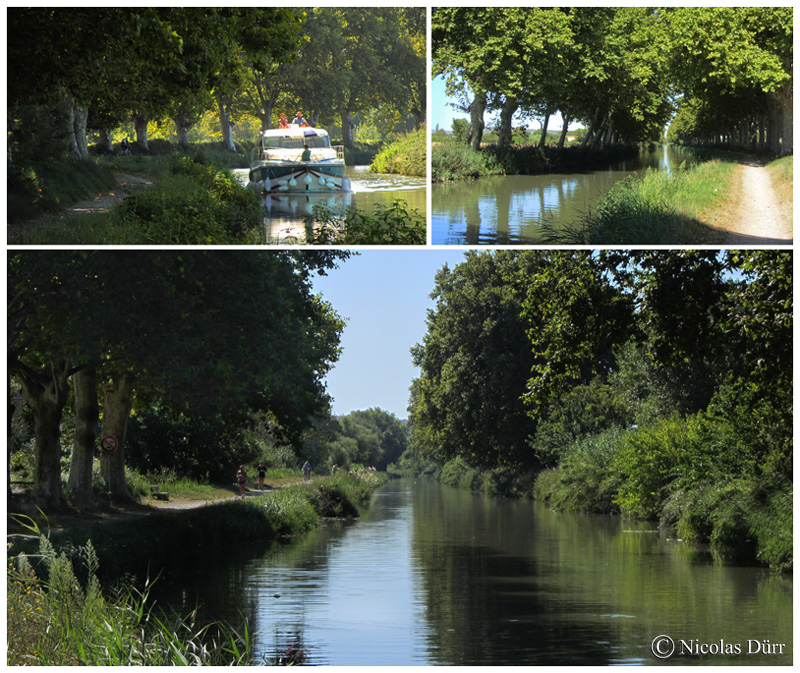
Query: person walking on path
[306,471]
[262,472]
[241,479]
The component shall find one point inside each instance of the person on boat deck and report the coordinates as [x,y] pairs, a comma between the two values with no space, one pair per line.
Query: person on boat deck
[282,122]
[299,120]
[306,156]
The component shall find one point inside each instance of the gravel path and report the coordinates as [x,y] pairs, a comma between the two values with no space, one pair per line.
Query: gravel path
[127,184]
[761,220]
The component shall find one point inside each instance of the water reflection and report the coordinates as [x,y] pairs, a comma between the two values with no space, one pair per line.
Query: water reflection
[435,575]
[512,209]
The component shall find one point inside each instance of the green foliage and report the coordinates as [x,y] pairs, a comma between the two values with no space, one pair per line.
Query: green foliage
[199,448]
[474,365]
[408,155]
[585,410]
[585,479]
[395,225]
[374,437]
[455,161]
[46,188]
[56,621]
[194,204]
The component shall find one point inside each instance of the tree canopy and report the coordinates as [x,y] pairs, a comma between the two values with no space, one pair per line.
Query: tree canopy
[623,71]
[205,334]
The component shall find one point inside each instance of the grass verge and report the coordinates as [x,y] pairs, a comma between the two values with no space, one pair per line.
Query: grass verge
[654,207]
[59,613]
[407,155]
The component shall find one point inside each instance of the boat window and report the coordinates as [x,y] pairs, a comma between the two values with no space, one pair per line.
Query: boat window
[290,143]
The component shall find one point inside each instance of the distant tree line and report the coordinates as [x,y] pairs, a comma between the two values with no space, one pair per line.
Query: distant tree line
[623,71]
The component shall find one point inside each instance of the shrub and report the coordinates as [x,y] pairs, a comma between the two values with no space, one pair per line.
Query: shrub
[407,155]
[395,225]
[457,161]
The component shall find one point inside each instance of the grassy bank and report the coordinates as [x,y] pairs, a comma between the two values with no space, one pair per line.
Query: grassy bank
[407,155]
[660,474]
[453,161]
[782,173]
[193,202]
[655,208]
[60,614]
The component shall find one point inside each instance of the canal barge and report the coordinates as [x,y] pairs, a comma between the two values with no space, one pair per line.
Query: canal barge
[298,159]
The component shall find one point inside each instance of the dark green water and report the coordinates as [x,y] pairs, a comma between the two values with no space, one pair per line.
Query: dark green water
[512,209]
[434,575]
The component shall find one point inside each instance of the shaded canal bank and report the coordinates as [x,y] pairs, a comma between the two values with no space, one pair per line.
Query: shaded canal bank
[435,575]
[517,209]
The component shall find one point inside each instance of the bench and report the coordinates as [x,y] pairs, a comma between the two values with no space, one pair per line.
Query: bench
[158,494]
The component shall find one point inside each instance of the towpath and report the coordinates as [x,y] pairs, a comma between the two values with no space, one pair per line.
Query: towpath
[761,219]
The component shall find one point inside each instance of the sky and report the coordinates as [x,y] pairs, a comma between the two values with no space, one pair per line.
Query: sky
[384,295]
[443,114]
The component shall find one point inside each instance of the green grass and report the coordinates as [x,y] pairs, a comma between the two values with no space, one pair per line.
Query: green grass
[406,156]
[41,190]
[194,202]
[56,620]
[458,161]
[781,172]
[655,207]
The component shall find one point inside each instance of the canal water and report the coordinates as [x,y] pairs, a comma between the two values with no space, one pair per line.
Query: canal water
[284,214]
[434,575]
[511,210]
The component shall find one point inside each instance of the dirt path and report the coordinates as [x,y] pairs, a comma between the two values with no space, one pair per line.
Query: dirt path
[127,184]
[761,219]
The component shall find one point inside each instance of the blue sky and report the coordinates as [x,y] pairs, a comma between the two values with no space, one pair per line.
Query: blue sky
[383,294]
[443,115]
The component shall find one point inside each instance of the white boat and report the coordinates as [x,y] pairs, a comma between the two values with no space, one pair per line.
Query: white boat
[278,164]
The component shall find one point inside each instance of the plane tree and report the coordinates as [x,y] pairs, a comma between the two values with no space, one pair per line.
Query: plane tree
[202,333]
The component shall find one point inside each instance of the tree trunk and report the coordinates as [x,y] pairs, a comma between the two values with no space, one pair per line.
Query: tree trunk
[563,135]
[182,126]
[140,126]
[106,144]
[79,121]
[87,421]
[46,395]
[347,129]
[116,411]
[545,122]
[784,98]
[225,123]
[476,109]
[510,106]
[590,132]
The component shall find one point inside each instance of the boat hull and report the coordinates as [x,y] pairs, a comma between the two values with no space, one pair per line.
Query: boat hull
[299,177]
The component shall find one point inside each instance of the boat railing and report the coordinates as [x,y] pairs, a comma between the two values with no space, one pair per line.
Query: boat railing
[339,151]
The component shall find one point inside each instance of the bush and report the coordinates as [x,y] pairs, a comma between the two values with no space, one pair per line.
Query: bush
[407,155]
[194,203]
[457,161]
[395,225]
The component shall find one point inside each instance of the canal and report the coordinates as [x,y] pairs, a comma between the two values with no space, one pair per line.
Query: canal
[513,209]
[434,575]
[284,214]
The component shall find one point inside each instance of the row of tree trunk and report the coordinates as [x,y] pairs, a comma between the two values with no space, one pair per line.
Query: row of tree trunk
[46,394]
[767,131]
